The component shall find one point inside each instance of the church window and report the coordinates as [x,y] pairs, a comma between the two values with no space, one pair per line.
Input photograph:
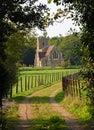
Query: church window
[55,55]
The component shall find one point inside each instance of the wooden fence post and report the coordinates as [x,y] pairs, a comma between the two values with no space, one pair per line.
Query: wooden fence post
[28,82]
[17,86]
[10,90]
[79,89]
[21,84]
[25,83]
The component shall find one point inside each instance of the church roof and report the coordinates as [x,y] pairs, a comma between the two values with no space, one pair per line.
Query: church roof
[47,52]
[49,49]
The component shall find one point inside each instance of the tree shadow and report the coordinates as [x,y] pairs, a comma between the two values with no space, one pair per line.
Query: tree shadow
[33,100]
[38,99]
[53,123]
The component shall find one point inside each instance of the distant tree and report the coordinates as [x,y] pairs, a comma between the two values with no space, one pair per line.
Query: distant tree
[28,58]
[70,47]
[29,51]
[55,40]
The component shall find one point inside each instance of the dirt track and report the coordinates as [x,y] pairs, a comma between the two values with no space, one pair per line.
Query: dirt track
[25,110]
[70,120]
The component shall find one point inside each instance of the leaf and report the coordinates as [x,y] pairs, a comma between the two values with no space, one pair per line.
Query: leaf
[49,1]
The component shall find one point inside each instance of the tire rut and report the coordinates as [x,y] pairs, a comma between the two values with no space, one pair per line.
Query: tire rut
[71,121]
[25,112]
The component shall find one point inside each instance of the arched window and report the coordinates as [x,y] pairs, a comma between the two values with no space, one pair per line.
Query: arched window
[55,55]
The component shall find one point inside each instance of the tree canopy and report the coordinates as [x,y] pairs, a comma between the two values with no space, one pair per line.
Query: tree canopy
[15,15]
[70,48]
[82,12]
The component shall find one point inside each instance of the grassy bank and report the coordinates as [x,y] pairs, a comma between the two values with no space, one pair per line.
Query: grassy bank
[9,118]
[79,108]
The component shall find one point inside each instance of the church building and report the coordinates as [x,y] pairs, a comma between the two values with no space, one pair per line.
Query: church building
[47,55]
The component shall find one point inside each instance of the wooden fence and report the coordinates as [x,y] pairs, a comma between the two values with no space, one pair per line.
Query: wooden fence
[73,87]
[27,82]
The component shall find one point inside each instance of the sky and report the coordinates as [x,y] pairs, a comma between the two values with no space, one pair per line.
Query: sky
[57,28]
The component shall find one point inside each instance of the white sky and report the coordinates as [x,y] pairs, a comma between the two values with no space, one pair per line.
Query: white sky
[58,28]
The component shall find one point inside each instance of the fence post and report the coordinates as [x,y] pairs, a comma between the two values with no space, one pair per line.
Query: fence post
[17,86]
[79,89]
[10,90]
[31,81]
[28,82]
[25,83]
[21,84]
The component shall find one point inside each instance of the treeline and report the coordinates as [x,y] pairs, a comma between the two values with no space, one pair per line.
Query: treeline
[70,46]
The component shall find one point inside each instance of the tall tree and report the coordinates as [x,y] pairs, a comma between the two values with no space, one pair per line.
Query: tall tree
[83,14]
[14,15]
[29,51]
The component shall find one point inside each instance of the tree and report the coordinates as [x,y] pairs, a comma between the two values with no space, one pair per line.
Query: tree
[29,51]
[70,48]
[14,15]
[83,14]
[28,58]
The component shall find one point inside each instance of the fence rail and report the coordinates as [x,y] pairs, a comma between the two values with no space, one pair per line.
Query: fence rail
[73,87]
[27,82]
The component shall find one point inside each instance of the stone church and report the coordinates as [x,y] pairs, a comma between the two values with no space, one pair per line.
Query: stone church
[47,55]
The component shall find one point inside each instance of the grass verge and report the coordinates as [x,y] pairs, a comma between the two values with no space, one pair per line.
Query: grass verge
[9,118]
[79,108]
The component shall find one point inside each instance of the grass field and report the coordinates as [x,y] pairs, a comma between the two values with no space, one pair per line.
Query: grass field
[37,78]
[29,82]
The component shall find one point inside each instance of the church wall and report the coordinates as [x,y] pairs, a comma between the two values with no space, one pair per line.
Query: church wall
[49,60]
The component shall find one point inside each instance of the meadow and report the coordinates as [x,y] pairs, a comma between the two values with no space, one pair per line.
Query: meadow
[29,79]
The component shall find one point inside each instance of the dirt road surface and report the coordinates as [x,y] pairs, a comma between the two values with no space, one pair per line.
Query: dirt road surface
[25,112]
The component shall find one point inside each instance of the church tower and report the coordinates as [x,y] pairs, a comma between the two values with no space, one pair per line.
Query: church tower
[42,44]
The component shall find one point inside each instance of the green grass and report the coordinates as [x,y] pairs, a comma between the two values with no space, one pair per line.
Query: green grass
[20,96]
[53,123]
[42,110]
[79,108]
[44,117]
[9,118]
[28,80]
[34,72]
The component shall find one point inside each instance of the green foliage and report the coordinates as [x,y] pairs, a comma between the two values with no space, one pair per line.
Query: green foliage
[59,96]
[64,64]
[54,123]
[14,16]
[28,57]
[83,14]
[70,46]
[9,118]
[80,108]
